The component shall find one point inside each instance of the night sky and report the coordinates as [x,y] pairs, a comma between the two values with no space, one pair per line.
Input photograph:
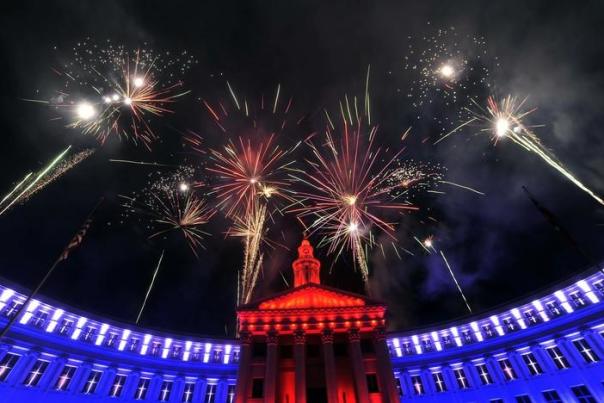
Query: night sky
[500,245]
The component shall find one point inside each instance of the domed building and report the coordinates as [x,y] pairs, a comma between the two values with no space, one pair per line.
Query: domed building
[312,343]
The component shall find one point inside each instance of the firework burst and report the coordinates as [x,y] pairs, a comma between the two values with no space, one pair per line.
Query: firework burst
[110,90]
[170,204]
[503,120]
[350,188]
[251,172]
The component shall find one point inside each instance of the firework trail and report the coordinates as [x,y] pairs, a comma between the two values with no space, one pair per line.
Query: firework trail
[61,168]
[32,184]
[252,173]
[456,282]
[140,312]
[504,120]
[110,90]
[428,245]
[171,204]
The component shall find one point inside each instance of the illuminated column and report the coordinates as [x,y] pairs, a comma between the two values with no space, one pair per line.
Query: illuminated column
[494,370]
[80,377]
[384,367]
[518,365]
[331,378]
[270,375]
[106,381]
[571,353]
[245,362]
[22,368]
[154,387]
[131,383]
[300,362]
[358,369]
[178,388]
[51,374]
[595,341]
[543,358]
[199,390]
[221,391]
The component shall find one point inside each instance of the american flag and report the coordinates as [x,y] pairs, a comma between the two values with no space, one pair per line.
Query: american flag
[76,240]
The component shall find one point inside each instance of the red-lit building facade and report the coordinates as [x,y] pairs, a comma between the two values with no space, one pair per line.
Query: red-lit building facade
[314,343]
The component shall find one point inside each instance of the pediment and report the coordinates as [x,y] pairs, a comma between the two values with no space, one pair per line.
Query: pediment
[311,297]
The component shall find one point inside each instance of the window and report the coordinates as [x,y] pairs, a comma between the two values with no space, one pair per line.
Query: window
[111,339]
[586,351]
[398,386]
[509,324]
[488,330]
[7,364]
[467,336]
[523,399]
[551,396]
[36,373]
[600,287]
[257,388]
[532,364]
[483,373]
[65,327]
[231,394]
[210,394]
[583,394]
[187,393]
[462,380]
[164,391]
[92,382]
[577,299]
[508,371]
[155,348]
[38,319]
[88,333]
[418,386]
[117,386]
[133,344]
[447,341]
[531,317]
[65,377]
[558,358]
[372,383]
[141,389]
[427,345]
[554,308]
[12,309]
[439,381]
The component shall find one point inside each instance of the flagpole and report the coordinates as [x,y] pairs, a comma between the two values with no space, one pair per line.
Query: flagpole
[61,257]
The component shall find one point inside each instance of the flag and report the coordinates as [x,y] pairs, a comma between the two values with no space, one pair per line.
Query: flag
[76,240]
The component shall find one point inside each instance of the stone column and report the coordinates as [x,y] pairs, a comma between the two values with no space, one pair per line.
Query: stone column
[22,368]
[106,381]
[52,373]
[199,391]
[178,388]
[331,379]
[80,378]
[384,367]
[130,384]
[300,362]
[245,363]
[358,369]
[270,374]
